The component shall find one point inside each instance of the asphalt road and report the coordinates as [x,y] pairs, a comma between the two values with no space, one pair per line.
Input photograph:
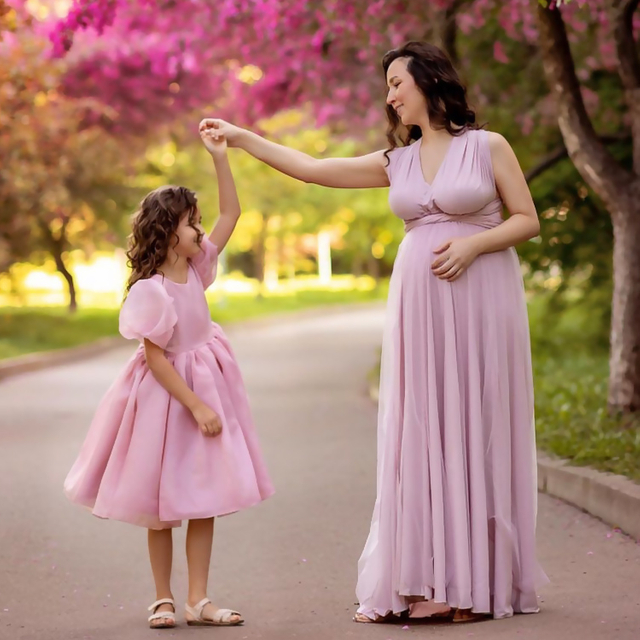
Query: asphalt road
[289,564]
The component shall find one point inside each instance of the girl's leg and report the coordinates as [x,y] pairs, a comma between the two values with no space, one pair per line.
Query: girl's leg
[161,556]
[199,543]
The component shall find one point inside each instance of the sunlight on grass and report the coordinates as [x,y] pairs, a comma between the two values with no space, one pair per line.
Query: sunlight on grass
[31,329]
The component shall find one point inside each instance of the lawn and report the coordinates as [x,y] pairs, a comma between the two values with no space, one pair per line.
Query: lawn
[28,330]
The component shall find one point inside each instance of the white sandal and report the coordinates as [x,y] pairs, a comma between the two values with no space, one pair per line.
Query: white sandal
[170,616]
[221,618]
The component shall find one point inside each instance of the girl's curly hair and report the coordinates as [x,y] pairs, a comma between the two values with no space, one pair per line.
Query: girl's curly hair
[154,225]
[440,84]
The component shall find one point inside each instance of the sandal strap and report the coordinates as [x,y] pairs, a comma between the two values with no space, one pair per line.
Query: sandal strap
[224,615]
[196,611]
[160,602]
[169,615]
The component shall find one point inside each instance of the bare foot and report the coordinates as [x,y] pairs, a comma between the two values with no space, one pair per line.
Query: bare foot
[429,609]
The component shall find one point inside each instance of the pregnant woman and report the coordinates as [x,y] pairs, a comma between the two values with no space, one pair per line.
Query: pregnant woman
[453,529]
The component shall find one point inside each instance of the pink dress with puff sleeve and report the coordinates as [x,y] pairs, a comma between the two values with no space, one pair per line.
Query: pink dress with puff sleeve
[144,460]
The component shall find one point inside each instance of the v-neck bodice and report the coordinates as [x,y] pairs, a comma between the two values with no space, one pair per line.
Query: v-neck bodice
[463,189]
[418,147]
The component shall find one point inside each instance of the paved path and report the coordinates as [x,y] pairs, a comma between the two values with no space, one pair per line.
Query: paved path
[289,564]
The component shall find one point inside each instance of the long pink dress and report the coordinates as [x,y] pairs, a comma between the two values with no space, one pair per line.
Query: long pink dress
[455,515]
[145,461]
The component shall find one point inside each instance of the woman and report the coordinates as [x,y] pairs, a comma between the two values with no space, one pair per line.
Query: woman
[453,530]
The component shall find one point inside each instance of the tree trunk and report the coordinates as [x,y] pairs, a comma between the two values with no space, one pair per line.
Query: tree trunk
[66,274]
[448,31]
[624,361]
[373,268]
[619,190]
[57,245]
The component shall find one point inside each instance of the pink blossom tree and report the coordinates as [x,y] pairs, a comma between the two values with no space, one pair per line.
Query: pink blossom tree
[251,58]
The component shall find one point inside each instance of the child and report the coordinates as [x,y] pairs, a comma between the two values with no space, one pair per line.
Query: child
[173,438]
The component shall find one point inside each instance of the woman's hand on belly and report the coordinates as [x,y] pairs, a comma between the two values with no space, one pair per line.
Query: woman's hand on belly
[454,258]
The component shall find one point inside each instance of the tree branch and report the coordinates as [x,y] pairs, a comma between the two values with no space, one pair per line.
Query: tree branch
[561,152]
[449,29]
[597,166]
[628,66]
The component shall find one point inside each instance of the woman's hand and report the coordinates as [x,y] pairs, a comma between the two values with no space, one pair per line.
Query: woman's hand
[216,145]
[208,420]
[454,258]
[221,130]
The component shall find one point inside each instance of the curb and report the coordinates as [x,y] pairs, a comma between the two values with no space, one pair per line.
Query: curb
[612,498]
[45,359]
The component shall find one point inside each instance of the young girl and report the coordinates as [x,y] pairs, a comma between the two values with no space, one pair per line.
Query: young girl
[173,438]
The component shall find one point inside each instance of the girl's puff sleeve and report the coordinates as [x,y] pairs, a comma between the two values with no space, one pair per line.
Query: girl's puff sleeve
[148,312]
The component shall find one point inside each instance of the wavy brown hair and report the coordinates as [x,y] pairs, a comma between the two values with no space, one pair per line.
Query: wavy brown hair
[154,225]
[439,82]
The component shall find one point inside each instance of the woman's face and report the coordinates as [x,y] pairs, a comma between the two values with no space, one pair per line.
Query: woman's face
[404,95]
[188,236]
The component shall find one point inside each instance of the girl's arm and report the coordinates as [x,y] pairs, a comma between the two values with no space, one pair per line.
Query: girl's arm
[227,193]
[164,372]
[347,173]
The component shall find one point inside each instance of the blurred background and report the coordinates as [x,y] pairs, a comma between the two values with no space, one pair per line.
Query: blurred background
[100,102]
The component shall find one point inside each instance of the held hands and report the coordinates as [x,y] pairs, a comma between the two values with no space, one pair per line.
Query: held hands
[208,420]
[454,258]
[214,131]
[216,145]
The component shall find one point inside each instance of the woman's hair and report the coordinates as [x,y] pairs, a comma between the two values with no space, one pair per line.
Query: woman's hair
[440,84]
[154,225]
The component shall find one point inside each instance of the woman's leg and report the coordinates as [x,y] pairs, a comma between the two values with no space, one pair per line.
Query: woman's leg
[161,556]
[199,543]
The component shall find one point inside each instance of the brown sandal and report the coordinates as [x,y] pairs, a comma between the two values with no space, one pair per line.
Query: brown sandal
[462,616]
[388,619]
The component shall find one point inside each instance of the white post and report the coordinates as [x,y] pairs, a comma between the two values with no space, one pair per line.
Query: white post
[324,257]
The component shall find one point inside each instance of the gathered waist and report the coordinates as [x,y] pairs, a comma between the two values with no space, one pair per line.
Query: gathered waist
[486,221]
[174,351]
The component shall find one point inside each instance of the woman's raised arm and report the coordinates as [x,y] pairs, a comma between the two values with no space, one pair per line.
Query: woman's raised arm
[346,173]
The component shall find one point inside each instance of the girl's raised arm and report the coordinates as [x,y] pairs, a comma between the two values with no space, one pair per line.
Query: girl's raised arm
[227,193]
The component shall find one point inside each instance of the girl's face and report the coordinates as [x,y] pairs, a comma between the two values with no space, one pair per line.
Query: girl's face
[188,236]
[404,94]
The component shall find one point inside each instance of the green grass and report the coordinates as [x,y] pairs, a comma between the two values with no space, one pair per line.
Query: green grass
[30,330]
[570,346]
[572,419]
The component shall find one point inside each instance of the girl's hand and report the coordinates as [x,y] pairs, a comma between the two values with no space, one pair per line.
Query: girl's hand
[208,420]
[454,259]
[221,130]
[216,145]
